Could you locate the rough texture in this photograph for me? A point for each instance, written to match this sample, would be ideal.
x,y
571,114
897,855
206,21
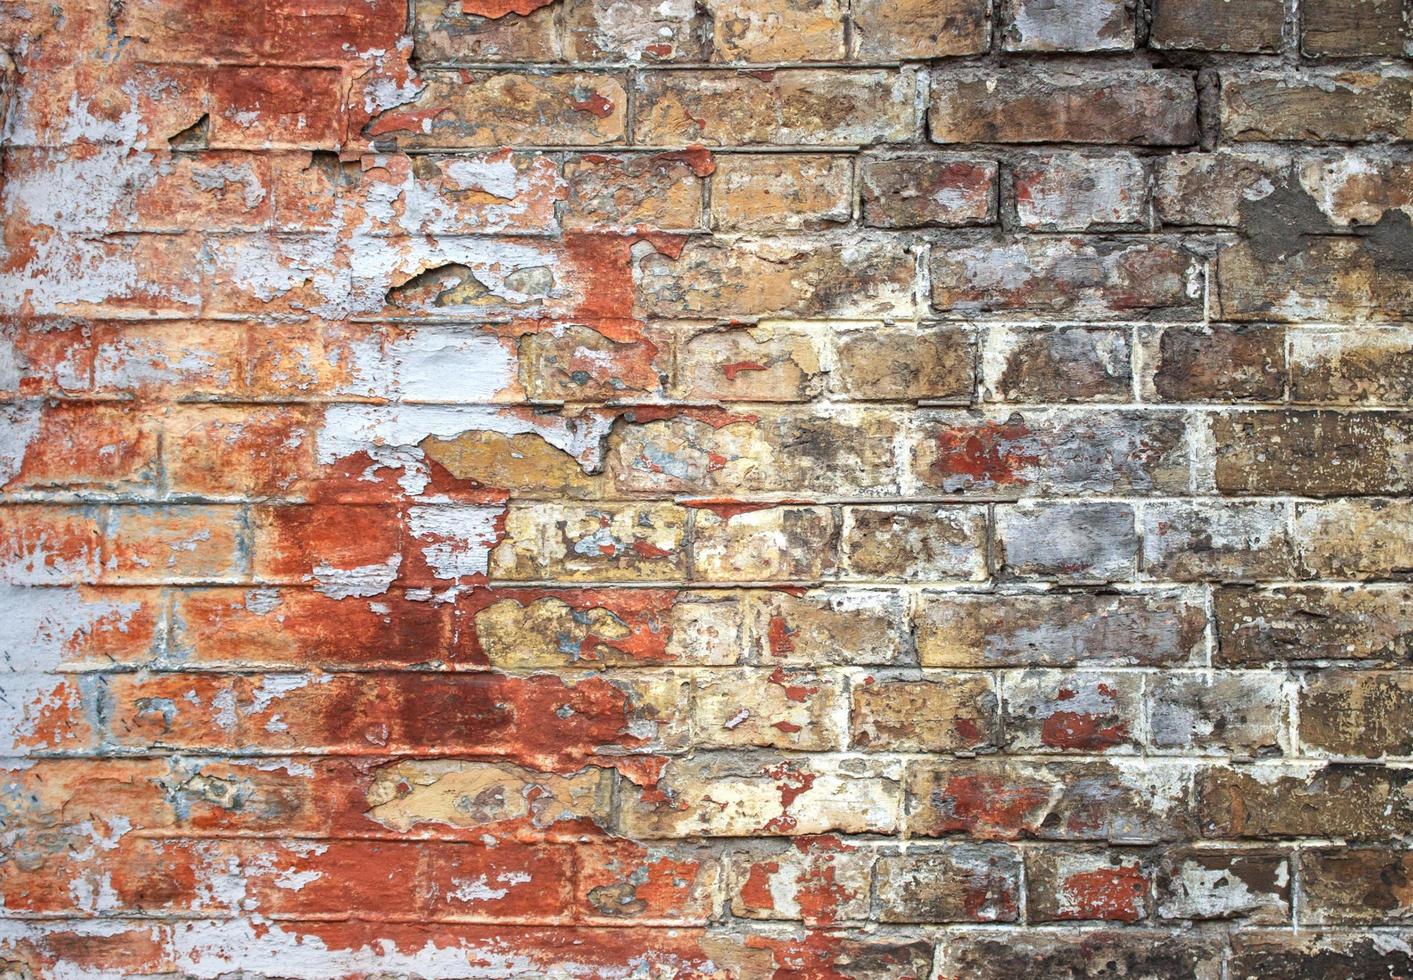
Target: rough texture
x,y
795,489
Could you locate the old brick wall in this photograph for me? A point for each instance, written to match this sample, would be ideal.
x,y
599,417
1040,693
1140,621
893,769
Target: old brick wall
x,y
655,488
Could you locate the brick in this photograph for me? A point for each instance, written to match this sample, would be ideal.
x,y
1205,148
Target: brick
x,y
580,543
1189,541
1066,542
830,626
1042,25
282,108
1240,713
786,107
928,191
932,363
443,31
175,544
814,880
501,190
470,109
1349,106
1355,713
914,543
1267,800
573,362
1284,956
1067,278
1070,884
182,361
1071,711
1213,363
915,29
91,449
1055,451
1079,192
860,277
1351,367
239,453
935,713
955,883
1331,280
1371,624
343,551
771,796
1355,538
1216,25
501,881
81,628
758,30
1225,884
1058,629
661,190
1134,802
997,954
779,192
628,30
774,544
776,709
1059,364
1347,885
1312,453
625,882
1210,188
773,361
1147,108
1338,28
849,450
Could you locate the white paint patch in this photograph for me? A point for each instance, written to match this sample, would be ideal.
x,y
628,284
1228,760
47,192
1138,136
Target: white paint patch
x,y
361,581
19,427
450,364
457,540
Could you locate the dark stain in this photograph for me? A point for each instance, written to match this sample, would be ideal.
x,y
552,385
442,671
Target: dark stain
x,y
1283,223
1390,243
197,136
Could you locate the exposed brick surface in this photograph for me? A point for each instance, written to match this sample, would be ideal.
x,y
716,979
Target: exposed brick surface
x,y
732,489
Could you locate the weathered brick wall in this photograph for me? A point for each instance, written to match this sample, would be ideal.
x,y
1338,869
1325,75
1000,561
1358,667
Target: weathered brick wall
x,y
796,488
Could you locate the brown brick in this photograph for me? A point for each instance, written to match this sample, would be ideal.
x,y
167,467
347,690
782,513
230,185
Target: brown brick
x,y
1228,540
1148,108
752,795
1208,883
1365,366
484,109
1135,801
787,107
1358,714
1080,192
576,362
774,544
1210,188
1315,454
1067,278
1356,186
1332,279
924,191
579,543
761,30
783,710
952,883
444,32
814,881
1344,28
889,29
781,192
1068,884
1055,451
1058,629
1213,363
631,30
773,361
1090,25
1355,538
1054,364
1372,624
1066,541
914,542
175,544
936,713
1269,800
1217,25
1241,713
1348,106
858,276
660,190
1071,711
1000,954
894,362
830,626
1355,886
1285,955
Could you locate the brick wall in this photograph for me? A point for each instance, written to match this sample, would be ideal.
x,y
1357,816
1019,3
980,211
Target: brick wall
x,y
655,488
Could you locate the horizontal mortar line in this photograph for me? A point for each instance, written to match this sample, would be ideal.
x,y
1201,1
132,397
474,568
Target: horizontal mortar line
x,y
882,671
